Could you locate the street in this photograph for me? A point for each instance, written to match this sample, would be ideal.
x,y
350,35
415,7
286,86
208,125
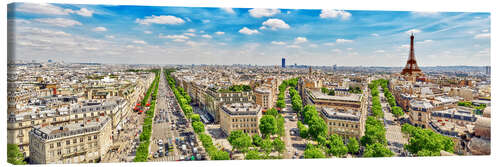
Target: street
x,y
394,136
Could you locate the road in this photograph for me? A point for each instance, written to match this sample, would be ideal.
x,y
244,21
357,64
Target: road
x,y
170,123
293,142
394,136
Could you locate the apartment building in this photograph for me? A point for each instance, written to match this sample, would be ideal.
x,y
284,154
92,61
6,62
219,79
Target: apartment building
x,y
72,143
240,116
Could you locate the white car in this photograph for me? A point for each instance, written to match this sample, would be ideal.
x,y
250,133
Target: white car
x,y
160,142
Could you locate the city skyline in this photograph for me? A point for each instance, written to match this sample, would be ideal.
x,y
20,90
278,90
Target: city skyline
x,y
186,35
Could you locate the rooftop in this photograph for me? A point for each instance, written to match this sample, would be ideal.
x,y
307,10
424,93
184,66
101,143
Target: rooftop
x,y
242,108
317,94
53,132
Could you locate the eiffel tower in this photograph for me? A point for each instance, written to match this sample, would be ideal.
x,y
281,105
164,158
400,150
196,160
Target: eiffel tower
x,y
411,67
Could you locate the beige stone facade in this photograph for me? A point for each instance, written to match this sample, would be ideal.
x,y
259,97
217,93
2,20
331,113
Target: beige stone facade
x,y
240,116
72,143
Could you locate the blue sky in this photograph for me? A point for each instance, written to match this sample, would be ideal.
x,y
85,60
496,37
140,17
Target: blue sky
x,y
182,35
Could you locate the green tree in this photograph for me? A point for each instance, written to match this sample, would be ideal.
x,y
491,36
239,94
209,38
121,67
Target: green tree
x,y
317,127
280,125
279,145
242,143
281,104
198,127
272,112
397,111
257,140
220,155
267,146
426,142
195,117
253,154
313,152
377,150
336,146
267,125
234,135
14,156
303,130
353,146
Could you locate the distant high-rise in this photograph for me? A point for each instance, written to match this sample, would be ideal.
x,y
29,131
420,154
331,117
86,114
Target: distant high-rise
x,y
50,60
488,70
335,67
283,62
411,67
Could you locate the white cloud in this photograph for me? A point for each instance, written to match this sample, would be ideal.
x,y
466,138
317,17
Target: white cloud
x,y
332,13
278,43
173,36
485,30
299,40
293,46
336,50
160,20
49,9
248,31
313,45
405,46
276,24
375,35
219,33
205,21
425,13
207,36
415,31
329,44
147,32
179,40
259,12
425,41
482,36
84,12
189,34
380,51
228,10
344,41
100,29
41,9
191,30
139,42
110,36
18,21
262,27
61,22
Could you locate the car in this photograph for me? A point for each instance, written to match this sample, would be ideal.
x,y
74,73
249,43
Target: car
x,y
160,148
160,142
155,155
161,154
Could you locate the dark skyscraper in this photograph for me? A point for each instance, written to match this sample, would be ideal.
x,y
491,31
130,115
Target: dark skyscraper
x,y
283,62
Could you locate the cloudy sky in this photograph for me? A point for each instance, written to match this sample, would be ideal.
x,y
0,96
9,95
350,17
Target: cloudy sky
x,y
180,35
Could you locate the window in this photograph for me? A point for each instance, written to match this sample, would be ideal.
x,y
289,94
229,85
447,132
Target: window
x,y
58,152
81,139
59,145
74,141
67,142
89,138
52,145
54,119
32,122
20,124
95,136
